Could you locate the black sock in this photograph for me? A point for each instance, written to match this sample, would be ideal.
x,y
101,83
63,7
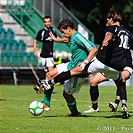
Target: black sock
x,y
43,75
117,101
72,107
123,93
62,76
38,83
95,106
94,93
121,89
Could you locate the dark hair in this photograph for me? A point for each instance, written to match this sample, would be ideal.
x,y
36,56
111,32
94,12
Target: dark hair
x,y
47,17
65,24
115,15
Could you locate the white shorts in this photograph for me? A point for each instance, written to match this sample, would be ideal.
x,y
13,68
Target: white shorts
x,y
62,67
97,66
73,85
47,62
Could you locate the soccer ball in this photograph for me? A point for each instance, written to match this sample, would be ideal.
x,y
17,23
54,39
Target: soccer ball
x,y
36,108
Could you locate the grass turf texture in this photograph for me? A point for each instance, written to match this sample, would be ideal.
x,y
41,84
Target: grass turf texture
x,y
16,118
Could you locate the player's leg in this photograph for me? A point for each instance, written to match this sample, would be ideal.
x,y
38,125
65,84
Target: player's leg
x,y
77,70
63,76
121,94
48,73
47,94
94,92
51,74
126,74
47,99
46,82
66,75
72,86
71,103
37,86
48,65
114,105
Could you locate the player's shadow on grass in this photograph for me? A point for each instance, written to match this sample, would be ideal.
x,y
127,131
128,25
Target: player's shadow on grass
x,y
2,99
63,115
97,114
117,114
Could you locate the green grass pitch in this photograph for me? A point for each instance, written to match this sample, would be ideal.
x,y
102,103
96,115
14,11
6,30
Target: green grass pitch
x,y
16,118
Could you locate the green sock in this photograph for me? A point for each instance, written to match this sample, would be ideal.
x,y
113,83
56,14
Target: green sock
x,y
47,96
72,107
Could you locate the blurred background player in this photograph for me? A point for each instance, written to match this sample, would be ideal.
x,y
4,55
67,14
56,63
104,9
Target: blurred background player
x,y
47,44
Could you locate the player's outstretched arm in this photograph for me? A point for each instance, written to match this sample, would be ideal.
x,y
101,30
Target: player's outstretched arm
x,y
58,39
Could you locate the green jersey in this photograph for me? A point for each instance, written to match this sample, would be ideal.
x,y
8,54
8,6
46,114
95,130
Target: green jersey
x,y
80,48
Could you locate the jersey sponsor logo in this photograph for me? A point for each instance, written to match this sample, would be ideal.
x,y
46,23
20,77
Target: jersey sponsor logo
x,y
49,39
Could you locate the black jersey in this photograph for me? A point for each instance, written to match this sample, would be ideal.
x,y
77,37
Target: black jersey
x,y
44,37
131,42
117,53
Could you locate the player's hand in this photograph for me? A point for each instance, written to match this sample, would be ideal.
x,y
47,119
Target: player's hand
x,y
35,54
104,44
52,36
83,64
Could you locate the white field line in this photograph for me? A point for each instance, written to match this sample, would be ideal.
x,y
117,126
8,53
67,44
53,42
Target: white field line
x,y
79,101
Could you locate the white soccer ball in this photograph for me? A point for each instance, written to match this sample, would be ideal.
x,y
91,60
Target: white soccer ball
x,y
36,108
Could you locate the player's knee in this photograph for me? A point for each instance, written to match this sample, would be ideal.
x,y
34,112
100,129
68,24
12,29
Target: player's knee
x,y
48,76
119,83
124,78
93,82
68,97
65,95
125,75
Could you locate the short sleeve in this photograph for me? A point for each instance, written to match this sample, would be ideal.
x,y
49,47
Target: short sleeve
x,y
38,37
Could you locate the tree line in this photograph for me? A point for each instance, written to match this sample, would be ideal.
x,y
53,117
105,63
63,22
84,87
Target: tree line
x,y
92,13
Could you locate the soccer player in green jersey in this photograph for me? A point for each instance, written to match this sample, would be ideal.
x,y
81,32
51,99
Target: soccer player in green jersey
x,y
82,50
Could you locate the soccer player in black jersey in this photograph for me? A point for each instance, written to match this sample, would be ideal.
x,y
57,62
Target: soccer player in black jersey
x,y
46,54
43,36
113,57
115,104
114,52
